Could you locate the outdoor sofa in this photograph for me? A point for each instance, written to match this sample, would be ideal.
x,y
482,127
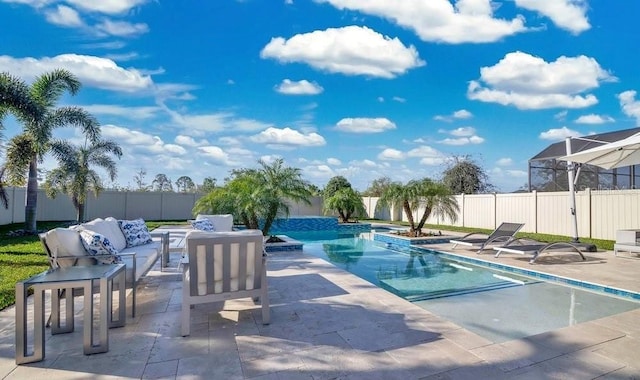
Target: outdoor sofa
x,y
107,241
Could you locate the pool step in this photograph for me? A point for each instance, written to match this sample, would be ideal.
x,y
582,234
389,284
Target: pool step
x,y
461,291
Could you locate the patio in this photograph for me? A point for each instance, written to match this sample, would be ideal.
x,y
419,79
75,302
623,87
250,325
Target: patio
x,y
327,324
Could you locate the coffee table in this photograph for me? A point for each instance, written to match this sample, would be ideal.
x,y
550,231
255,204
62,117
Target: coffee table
x,y
68,279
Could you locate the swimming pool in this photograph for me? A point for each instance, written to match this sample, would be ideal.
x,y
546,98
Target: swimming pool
x,y
497,305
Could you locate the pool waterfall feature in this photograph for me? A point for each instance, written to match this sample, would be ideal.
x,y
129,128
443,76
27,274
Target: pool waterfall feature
x,y
282,226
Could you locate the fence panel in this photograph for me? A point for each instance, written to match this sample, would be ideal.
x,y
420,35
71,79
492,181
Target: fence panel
x,y
517,208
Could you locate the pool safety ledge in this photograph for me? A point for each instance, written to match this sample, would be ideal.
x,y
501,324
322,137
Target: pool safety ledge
x,y
539,275
403,244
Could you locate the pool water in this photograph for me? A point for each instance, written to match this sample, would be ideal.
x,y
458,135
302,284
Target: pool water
x,y
496,305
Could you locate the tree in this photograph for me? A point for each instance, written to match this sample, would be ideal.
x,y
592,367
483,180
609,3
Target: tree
x,y
138,178
74,176
34,107
335,183
257,196
377,187
208,184
347,202
465,176
434,197
162,183
185,184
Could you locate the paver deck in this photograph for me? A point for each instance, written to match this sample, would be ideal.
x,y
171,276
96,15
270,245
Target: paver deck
x,y
330,324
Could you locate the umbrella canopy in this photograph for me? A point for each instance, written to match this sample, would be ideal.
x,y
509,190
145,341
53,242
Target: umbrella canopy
x,y
625,152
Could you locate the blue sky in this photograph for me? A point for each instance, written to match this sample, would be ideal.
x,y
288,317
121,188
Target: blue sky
x,y
358,88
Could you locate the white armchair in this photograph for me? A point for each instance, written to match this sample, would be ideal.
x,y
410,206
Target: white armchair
x,y
219,266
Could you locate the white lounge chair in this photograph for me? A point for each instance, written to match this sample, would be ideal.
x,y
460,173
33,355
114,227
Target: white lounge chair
x,y
503,234
220,266
535,248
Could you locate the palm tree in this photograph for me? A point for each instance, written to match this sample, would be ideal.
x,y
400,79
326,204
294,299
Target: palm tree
x,y
39,117
257,196
347,202
74,176
433,196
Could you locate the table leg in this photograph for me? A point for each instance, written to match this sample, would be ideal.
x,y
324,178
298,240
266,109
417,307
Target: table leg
x,y
21,333
122,302
56,327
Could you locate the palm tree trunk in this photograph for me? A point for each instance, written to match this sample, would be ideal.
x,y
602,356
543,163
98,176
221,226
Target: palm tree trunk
x,y
423,219
31,201
412,223
80,215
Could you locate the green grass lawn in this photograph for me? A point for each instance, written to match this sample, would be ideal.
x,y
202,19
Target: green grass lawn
x,y
22,257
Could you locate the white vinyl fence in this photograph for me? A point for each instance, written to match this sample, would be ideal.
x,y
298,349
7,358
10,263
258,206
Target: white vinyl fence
x,y
600,213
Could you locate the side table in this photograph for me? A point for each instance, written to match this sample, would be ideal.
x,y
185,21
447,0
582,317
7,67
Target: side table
x,y
66,279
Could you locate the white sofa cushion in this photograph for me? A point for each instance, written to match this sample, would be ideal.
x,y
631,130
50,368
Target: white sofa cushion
x,y
135,232
64,242
221,222
108,228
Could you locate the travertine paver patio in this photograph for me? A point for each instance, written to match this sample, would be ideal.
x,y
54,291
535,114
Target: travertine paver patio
x,y
329,324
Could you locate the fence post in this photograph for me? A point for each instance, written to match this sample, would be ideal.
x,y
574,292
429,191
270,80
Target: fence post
x,y
534,194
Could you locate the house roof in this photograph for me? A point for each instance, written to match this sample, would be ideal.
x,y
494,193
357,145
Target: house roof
x,y
559,149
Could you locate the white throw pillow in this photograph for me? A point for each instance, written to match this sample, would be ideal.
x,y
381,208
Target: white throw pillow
x,y
100,247
64,242
135,232
109,228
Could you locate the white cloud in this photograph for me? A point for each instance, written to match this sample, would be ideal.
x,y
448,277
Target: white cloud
x,y
462,136
92,71
107,6
351,50
439,20
630,106
64,16
558,134
566,14
334,161
287,138
365,125
134,113
459,114
504,162
215,153
302,87
529,82
561,115
594,119
215,122
399,99
140,141
120,28
463,140
463,132
189,141
428,155
391,154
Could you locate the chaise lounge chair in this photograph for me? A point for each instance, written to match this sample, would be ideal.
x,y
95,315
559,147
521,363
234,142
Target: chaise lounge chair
x,y
503,234
535,248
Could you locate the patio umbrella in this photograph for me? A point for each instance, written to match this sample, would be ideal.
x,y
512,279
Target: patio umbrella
x,y
625,152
